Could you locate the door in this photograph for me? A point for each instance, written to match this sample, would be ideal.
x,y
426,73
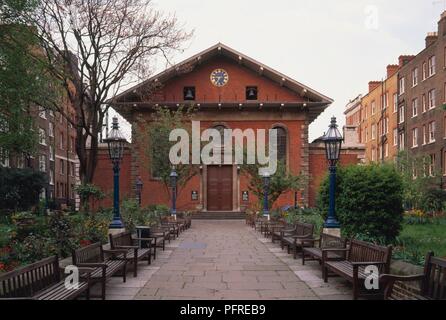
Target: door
x,y
219,188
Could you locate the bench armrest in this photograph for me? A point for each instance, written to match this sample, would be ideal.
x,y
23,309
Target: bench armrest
x,y
305,236
117,251
126,247
388,281
311,241
392,278
92,265
149,238
361,264
327,250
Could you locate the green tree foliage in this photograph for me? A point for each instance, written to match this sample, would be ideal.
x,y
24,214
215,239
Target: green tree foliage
x,y
281,182
88,192
23,82
368,201
417,182
157,138
20,188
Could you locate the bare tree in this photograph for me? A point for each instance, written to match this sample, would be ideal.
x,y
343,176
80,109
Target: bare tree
x,y
96,48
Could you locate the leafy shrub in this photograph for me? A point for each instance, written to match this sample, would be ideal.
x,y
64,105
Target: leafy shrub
x,y
305,215
60,229
92,227
34,247
433,200
415,217
368,201
20,188
88,192
133,215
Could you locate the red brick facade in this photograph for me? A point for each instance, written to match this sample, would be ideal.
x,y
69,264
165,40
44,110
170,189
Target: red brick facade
x,y
281,102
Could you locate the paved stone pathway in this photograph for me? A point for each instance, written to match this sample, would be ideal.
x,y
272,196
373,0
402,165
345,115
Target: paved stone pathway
x,y
226,260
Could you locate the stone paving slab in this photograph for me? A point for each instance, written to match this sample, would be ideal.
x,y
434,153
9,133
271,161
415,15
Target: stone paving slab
x,y
217,260
229,260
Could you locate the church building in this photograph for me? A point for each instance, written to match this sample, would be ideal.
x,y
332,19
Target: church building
x,y
229,90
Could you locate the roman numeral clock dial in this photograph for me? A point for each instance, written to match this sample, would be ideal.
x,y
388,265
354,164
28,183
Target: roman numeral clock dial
x,y
219,77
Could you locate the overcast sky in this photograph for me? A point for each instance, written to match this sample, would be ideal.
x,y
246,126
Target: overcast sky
x,y
333,46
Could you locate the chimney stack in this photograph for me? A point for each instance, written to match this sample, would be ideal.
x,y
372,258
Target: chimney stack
x,y
373,85
431,38
442,24
404,59
392,69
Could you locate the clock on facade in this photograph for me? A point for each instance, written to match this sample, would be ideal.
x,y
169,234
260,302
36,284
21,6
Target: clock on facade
x,y
219,77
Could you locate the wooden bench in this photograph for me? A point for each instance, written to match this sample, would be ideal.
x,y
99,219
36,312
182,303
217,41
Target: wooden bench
x,y
291,238
159,235
272,226
360,254
124,240
174,230
433,282
93,256
276,230
324,242
42,281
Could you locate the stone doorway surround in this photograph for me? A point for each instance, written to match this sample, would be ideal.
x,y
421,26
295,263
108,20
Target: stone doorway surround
x,y
235,188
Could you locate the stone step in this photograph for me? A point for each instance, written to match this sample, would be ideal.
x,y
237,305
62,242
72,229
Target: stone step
x,y
219,215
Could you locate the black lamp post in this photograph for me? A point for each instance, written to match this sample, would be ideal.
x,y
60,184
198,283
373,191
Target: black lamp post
x,y
295,200
173,185
266,181
116,143
139,185
333,141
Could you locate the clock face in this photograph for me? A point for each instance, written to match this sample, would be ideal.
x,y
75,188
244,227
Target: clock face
x,y
219,77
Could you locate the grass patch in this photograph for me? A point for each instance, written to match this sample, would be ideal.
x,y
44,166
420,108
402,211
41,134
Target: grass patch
x,y
415,240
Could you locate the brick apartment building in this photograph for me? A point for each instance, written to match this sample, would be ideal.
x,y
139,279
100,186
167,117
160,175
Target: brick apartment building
x,y
250,96
55,156
375,117
406,110
422,94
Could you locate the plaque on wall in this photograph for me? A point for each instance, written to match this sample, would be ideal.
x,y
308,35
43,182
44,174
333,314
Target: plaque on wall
x,y
194,195
245,196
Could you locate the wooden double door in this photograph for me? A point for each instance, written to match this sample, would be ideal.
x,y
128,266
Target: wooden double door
x,y
219,188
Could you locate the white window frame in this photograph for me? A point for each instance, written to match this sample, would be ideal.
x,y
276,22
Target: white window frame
x,y
402,85
373,131
431,131
51,174
432,160
432,64
414,137
395,137
51,129
414,107
424,103
401,114
373,107
42,112
42,136
42,163
432,98
61,142
51,152
4,158
401,141
395,103
415,77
